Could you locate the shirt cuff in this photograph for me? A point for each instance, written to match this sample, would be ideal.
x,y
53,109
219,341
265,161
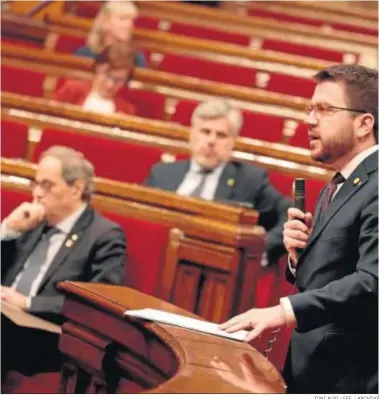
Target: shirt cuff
x,y
289,314
7,234
292,269
264,259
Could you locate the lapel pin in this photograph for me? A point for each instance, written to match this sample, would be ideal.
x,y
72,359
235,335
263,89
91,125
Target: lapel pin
x,y
230,182
74,237
356,181
69,243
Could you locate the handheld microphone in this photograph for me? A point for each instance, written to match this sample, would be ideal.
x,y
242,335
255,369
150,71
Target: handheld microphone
x,y
299,199
299,194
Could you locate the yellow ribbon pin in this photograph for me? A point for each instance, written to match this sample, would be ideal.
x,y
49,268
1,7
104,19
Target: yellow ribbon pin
x,y
230,182
356,181
74,237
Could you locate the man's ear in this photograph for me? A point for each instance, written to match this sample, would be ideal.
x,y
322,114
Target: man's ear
x,y
364,125
78,187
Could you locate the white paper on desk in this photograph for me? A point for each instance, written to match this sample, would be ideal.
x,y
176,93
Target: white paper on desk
x,y
185,322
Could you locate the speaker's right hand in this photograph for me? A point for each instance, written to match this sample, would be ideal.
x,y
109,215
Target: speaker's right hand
x,y
296,232
25,217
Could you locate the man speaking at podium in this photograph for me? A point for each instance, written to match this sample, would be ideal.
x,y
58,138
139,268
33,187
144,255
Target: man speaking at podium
x,y
334,253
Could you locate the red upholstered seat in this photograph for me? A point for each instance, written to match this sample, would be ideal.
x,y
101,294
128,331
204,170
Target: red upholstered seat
x,y
147,243
262,126
145,22
148,104
183,112
303,49
355,29
204,32
293,85
113,159
284,17
14,139
69,44
300,138
22,81
283,183
210,70
11,199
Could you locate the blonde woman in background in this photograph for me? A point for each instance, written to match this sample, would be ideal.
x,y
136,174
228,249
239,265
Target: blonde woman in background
x,y
113,24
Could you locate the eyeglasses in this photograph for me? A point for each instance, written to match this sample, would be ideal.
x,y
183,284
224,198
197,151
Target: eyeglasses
x,y
45,185
113,79
323,109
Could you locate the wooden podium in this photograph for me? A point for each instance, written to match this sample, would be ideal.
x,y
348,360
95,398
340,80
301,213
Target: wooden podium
x,y
107,352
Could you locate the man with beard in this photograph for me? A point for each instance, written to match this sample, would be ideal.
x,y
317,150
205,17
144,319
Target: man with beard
x,y
333,254
212,175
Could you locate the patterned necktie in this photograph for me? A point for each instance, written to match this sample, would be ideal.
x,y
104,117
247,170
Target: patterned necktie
x,y
197,191
331,189
36,259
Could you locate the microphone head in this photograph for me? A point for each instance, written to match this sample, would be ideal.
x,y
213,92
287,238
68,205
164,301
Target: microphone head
x,y
299,187
299,194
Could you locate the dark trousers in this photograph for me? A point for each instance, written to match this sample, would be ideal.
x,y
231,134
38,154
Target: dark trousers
x,y
28,350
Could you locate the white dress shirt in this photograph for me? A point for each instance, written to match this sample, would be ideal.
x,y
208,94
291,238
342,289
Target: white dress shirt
x,y
95,103
55,243
193,177
346,171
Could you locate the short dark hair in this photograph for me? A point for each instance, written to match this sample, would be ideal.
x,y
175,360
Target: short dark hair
x,y
117,56
361,87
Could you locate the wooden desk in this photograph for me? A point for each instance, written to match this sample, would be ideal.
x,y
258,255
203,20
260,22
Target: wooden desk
x,y
211,267
107,352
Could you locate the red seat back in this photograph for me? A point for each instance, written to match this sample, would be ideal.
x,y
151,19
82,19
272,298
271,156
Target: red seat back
x,y
113,159
303,49
148,104
210,70
204,32
262,126
284,183
14,139
69,44
147,244
145,22
22,81
11,199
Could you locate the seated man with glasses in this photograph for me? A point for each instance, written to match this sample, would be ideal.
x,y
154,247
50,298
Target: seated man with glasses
x,y
113,68
56,237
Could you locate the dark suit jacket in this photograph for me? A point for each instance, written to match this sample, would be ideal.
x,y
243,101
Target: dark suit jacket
x,y
75,92
251,185
98,255
334,348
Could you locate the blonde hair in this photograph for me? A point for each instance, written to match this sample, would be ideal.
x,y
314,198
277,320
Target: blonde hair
x,y
95,34
217,109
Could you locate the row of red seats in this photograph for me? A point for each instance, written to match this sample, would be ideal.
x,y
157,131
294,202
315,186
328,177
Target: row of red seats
x,y
152,105
285,17
212,70
116,159
82,10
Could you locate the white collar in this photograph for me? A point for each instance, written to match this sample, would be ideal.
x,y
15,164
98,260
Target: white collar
x,y
348,169
68,223
196,168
